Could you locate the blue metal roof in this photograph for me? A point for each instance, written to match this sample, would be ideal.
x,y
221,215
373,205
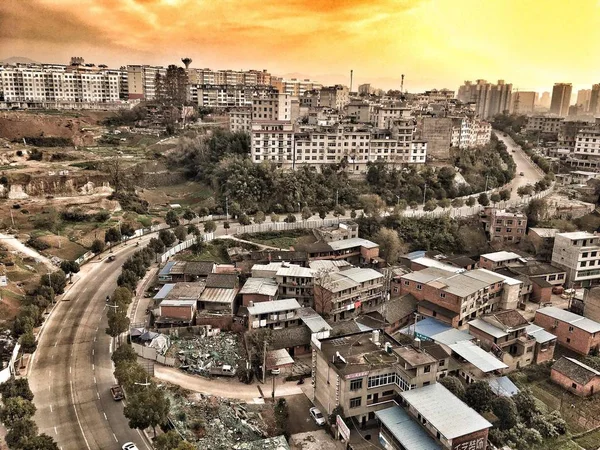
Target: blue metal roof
x,y
167,269
164,291
408,432
416,254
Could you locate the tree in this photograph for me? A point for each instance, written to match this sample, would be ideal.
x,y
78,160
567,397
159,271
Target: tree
x,y
130,373
185,445
504,194
339,211
188,214
56,280
198,246
323,213
430,205
458,202
167,441
306,213
259,217
454,385
118,322
390,244
41,442
16,388
471,201
274,217
243,219
353,214
97,246
147,408
171,218
372,204
523,191
495,197
193,229
483,199
21,432
444,203
226,226
28,342
156,245
536,211
210,226
290,218
526,405
180,233
112,236
506,412
167,237
15,409
127,229
128,279
479,396
69,266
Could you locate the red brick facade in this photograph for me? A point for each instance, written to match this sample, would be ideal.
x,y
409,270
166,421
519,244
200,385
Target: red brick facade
x,y
476,440
567,383
569,336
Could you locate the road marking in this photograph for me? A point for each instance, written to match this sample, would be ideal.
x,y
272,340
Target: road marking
x,y
105,416
115,436
50,408
110,346
77,417
55,343
50,373
98,395
93,367
95,382
92,352
60,331
70,368
94,338
56,431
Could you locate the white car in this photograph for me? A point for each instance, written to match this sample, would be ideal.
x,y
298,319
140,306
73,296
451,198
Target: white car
x,y
317,416
129,446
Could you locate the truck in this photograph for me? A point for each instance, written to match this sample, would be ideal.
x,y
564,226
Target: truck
x,y
224,370
117,393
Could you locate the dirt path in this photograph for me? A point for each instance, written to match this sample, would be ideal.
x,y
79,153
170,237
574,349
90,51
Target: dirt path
x,y
226,389
14,244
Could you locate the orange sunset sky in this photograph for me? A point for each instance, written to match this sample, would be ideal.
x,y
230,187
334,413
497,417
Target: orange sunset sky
x,y
436,43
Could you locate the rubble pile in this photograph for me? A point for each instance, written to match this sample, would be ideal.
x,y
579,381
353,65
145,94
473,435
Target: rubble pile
x,y
216,423
198,354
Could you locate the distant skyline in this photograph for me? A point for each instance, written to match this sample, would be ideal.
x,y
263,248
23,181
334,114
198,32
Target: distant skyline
x,y
435,43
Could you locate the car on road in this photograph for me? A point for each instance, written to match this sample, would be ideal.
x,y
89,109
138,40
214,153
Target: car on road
x,y
110,258
117,392
522,174
129,446
317,416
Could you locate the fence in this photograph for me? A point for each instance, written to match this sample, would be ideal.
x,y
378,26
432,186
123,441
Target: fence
x,y
284,226
184,245
151,353
9,370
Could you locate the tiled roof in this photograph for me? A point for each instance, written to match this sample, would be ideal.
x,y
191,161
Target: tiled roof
x,y
221,280
575,370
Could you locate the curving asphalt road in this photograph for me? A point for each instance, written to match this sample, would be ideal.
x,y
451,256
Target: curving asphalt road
x,y
71,371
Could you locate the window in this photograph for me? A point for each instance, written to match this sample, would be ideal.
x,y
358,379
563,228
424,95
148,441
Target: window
x,y
355,402
568,340
442,295
419,287
406,283
442,362
427,369
570,329
387,393
355,385
574,385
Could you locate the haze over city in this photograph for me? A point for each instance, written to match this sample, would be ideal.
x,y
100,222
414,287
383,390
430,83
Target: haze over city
x,y
441,43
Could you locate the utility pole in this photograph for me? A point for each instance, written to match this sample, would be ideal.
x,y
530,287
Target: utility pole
x,y
227,208
273,390
264,371
486,182
424,193
336,197
12,219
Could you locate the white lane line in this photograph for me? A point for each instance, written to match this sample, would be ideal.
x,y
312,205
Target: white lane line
x,y
105,416
95,382
115,436
77,417
93,367
94,338
98,395
50,408
70,369
92,352
50,373
144,440
56,431
55,343
60,331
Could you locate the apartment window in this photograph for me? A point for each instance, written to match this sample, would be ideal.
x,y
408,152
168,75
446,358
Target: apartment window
x,y
355,385
509,230
584,254
593,254
427,369
442,295
355,402
583,264
419,287
561,276
406,283
568,340
442,362
387,393
570,329
498,230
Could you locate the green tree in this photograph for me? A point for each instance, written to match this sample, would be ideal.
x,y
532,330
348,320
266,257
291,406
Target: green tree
x,y
226,226
430,205
526,405
188,214
323,213
147,408
495,197
458,202
372,204
506,412
128,279
171,218
118,322
56,280
471,201
536,211
185,445
523,191
339,211
14,387
28,342
454,385
479,396
210,226
127,229
243,219
353,214
259,217
193,229
124,353
274,217
129,373
504,194
180,233
306,213
483,199
167,441
444,203
167,237
21,432
15,409
112,236
69,267
41,442
290,218
156,245
390,244
97,246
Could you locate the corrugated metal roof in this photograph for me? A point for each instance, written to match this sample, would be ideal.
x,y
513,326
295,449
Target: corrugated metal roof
x,y
444,411
339,283
218,295
409,433
328,264
484,361
437,331
274,306
493,277
295,271
260,286
361,275
487,328
351,243
502,386
501,256
539,334
430,262
178,303
164,291
576,320
166,270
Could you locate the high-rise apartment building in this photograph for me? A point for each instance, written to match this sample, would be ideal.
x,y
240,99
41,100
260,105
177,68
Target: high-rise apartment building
x,y
335,97
583,98
561,99
490,99
544,100
523,102
594,107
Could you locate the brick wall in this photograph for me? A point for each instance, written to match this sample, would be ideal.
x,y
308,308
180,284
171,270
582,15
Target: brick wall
x,y
255,298
577,340
476,440
177,312
582,390
543,356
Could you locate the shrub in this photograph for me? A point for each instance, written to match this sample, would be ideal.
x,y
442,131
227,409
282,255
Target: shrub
x,y
38,244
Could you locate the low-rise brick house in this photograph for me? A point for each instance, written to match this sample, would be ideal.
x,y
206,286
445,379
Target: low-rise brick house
x,y
180,271
456,298
545,343
356,251
575,376
495,260
542,240
573,331
275,314
504,226
179,305
504,334
257,290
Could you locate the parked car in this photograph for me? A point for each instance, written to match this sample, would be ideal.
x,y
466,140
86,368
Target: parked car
x,y
129,446
522,174
224,370
117,392
110,258
317,416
